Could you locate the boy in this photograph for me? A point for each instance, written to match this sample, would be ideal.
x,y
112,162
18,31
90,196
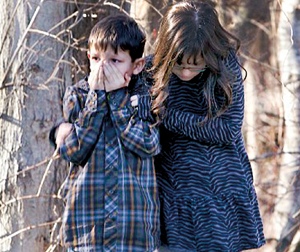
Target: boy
x,y
112,198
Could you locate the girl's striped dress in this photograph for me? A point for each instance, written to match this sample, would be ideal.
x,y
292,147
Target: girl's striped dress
x,y
208,200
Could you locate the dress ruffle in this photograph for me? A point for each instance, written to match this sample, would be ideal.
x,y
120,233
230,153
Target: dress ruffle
x,y
226,222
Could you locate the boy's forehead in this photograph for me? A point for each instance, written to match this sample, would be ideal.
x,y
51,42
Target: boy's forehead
x,y
109,49
98,48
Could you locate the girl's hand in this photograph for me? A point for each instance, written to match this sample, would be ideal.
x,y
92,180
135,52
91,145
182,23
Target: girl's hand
x,y
114,78
96,77
62,132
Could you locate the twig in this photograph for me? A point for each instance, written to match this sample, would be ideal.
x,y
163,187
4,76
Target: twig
x,y
20,43
261,26
56,38
52,247
9,25
77,65
258,62
31,168
55,154
55,70
61,187
5,204
288,233
274,154
45,224
115,6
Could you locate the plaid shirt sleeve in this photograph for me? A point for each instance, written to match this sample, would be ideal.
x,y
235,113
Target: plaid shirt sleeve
x,y
135,132
85,110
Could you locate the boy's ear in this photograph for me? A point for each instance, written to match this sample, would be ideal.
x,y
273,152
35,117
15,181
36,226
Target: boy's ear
x,y
138,65
88,54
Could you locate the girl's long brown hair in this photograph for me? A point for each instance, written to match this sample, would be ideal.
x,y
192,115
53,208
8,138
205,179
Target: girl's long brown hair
x,y
193,29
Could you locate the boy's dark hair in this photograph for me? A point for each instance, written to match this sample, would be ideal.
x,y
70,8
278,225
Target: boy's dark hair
x,y
118,31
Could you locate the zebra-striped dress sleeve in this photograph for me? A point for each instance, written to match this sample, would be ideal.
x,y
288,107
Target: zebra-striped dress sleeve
x,y
220,130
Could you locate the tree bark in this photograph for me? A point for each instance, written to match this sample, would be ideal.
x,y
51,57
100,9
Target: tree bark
x,y
148,14
255,23
289,60
34,71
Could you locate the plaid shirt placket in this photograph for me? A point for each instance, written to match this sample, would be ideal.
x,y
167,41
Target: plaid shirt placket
x,y
130,214
138,203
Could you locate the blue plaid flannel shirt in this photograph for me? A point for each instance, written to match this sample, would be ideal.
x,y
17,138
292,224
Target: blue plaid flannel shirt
x,y
112,200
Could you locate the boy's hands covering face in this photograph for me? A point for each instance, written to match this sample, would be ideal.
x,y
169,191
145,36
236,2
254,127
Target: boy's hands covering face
x,y
112,69
107,77
114,79
96,77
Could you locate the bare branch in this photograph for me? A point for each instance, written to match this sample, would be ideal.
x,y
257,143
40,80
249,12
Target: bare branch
x,y
273,154
52,247
9,25
262,27
258,62
20,43
45,224
115,6
45,161
56,38
55,154
21,198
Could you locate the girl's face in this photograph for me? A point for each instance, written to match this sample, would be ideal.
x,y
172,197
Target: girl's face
x,y
189,67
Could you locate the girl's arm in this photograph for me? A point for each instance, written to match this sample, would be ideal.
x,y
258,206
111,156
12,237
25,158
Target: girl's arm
x,y
85,110
133,123
223,129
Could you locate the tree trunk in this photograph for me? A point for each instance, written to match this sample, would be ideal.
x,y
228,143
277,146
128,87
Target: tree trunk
x,y
33,71
288,189
148,14
251,21
255,23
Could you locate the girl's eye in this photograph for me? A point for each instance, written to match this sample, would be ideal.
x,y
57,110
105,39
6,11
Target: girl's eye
x,y
95,58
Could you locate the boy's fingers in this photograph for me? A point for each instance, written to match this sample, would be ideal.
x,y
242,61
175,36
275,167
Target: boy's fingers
x,y
100,74
63,131
113,72
114,79
109,73
94,77
100,77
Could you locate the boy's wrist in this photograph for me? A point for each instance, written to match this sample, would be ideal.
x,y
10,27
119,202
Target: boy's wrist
x,y
97,88
53,132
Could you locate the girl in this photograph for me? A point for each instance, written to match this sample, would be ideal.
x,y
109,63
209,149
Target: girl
x,y
208,199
